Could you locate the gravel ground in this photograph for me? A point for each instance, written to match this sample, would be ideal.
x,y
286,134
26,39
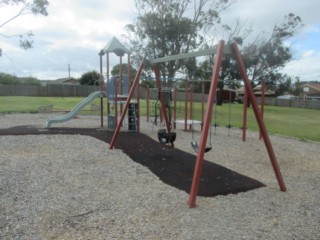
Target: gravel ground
x,y
74,187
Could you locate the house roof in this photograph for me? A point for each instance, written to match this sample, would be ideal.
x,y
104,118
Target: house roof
x,y
61,81
114,46
315,86
256,90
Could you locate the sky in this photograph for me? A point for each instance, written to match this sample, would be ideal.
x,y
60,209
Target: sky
x,y
74,32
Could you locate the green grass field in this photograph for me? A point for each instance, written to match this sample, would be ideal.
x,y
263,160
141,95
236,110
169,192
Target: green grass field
x,y
301,123
31,104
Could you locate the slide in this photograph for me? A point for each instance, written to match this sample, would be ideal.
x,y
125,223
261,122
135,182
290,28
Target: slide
x,y
74,112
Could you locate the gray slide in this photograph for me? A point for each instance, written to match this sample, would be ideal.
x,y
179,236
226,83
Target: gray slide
x,y
74,112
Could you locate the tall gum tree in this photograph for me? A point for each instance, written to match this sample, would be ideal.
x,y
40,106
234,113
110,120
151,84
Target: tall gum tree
x,y
266,54
169,27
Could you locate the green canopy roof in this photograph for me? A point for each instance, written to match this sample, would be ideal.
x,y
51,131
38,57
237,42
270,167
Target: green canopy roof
x,y
115,46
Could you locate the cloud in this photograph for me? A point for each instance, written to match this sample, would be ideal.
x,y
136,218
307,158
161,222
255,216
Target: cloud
x,y
308,53
75,31
306,67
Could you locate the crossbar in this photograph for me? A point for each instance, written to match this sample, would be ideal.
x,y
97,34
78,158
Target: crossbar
x,y
205,52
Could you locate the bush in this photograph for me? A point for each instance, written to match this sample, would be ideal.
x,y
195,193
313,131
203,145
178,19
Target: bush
x,y
8,79
90,78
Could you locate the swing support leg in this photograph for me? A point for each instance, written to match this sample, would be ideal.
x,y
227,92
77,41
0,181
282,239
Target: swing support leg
x,y
212,93
134,85
205,128
258,116
162,102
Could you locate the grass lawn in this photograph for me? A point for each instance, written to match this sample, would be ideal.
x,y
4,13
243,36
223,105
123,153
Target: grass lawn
x,y
293,122
31,104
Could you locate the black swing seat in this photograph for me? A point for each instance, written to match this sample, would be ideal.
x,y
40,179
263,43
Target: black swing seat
x,y
195,147
164,137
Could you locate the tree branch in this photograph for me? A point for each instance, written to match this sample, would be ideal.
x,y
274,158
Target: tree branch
x,y
20,13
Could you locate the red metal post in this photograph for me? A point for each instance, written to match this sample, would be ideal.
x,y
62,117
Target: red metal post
x,y
148,101
101,89
191,105
115,100
206,125
108,81
202,101
129,72
185,104
244,117
263,90
259,119
162,102
134,84
174,106
138,109
120,76
121,82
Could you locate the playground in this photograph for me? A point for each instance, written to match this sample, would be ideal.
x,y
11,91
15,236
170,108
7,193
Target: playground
x,y
69,184
121,176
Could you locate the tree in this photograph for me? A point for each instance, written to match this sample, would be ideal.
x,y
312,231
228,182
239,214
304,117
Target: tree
x,y
148,83
267,55
297,88
90,78
283,85
264,56
116,70
26,7
171,27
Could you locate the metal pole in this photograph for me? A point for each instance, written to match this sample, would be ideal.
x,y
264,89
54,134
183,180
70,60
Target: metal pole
x,y
129,72
259,119
185,104
191,105
206,125
244,117
174,106
108,82
202,102
134,84
162,102
138,107
101,97
161,97
115,100
263,90
229,126
121,82
147,102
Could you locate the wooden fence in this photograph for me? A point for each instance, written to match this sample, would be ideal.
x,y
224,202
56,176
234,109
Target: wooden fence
x,y
59,90
50,90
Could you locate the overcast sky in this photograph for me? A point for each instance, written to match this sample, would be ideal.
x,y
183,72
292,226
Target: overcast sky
x,y
76,30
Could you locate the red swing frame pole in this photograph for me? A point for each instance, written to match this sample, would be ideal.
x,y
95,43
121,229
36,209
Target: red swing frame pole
x,y
258,116
244,117
132,89
207,119
162,104
263,90
101,88
206,125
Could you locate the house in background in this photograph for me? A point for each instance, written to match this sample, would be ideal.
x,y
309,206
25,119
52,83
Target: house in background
x,y
257,92
62,81
310,91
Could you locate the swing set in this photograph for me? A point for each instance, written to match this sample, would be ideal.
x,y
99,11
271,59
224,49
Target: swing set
x,y
201,148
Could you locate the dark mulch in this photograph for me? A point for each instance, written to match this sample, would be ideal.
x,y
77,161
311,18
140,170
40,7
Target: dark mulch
x,y
171,165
